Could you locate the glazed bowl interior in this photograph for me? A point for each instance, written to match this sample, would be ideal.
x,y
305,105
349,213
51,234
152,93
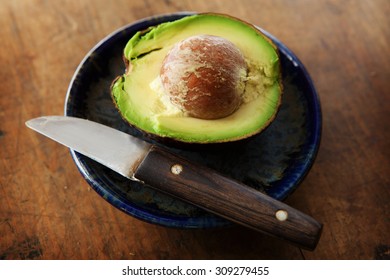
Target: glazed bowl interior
x,y
274,162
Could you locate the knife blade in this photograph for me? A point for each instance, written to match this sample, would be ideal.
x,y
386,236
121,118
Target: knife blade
x,y
178,177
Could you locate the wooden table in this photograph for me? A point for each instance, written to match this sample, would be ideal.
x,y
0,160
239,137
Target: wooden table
x,y
48,211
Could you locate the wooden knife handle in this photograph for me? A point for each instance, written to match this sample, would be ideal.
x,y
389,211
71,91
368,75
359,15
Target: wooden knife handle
x,y
227,198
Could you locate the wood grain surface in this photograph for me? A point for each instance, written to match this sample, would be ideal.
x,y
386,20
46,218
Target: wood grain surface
x,y
48,211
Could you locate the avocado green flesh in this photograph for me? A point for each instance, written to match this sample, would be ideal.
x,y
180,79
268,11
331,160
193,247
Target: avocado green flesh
x,y
142,106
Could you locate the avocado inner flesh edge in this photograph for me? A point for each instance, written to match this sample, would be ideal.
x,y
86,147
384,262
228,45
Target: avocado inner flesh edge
x,y
141,100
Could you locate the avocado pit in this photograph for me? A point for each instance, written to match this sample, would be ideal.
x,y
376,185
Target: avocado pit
x,y
204,76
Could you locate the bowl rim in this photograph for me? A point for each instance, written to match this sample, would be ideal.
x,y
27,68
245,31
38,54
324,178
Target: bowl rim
x,y
206,221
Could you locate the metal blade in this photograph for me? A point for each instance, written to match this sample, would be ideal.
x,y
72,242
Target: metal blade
x,y
117,150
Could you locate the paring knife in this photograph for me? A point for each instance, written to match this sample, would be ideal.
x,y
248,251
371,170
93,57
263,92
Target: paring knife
x,y
171,174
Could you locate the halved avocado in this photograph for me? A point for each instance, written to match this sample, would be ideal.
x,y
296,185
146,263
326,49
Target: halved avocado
x,y
141,101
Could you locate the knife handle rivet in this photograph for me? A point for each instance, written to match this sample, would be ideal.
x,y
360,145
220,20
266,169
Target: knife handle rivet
x,y
281,215
176,169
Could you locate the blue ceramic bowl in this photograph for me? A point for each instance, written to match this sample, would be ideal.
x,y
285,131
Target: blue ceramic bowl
x,y
275,161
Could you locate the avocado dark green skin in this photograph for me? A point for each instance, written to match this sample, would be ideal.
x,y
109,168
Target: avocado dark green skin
x,y
177,143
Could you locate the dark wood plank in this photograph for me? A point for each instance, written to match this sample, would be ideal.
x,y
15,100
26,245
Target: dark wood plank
x,y
47,211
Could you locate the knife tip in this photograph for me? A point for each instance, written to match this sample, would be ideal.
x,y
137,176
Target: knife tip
x,y
36,122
